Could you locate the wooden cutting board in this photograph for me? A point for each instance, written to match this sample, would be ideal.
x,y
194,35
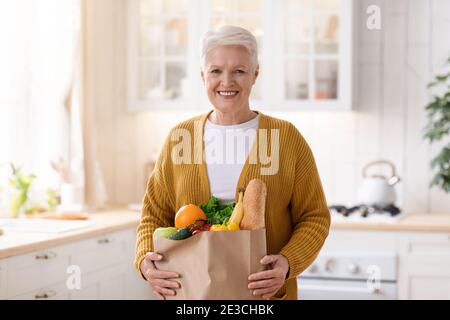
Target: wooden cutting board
x,y
60,216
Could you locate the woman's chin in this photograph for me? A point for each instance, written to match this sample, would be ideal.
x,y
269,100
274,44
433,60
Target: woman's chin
x,y
228,106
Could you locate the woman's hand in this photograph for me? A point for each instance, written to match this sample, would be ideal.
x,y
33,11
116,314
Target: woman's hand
x,y
160,281
266,283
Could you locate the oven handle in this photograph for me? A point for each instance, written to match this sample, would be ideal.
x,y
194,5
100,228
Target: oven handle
x,y
340,289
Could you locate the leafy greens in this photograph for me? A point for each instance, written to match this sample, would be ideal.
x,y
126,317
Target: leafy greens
x,y
217,213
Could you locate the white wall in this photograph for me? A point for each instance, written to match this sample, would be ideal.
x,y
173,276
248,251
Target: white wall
x,y
393,66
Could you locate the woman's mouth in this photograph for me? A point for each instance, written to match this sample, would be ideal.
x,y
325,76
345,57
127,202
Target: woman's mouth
x,y
228,94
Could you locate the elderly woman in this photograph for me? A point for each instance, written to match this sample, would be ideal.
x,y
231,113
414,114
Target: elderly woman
x,y
297,217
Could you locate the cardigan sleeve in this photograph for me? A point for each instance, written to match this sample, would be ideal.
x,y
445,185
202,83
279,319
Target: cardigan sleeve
x,y
158,205
309,213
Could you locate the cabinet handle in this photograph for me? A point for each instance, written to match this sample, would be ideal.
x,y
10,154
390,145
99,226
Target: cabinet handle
x,y
376,291
103,241
45,256
45,295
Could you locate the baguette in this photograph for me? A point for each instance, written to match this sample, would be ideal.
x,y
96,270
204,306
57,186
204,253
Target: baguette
x,y
254,205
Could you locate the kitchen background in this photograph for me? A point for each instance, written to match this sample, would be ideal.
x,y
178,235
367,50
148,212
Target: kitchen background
x,y
392,67
78,81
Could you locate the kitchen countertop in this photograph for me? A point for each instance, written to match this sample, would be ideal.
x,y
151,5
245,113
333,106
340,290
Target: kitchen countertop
x,y
106,221
410,223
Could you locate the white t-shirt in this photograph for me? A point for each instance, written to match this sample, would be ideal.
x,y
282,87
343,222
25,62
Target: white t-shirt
x,y
226,150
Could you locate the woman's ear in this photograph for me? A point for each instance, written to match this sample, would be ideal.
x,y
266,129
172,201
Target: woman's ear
x,y
256,73
202,75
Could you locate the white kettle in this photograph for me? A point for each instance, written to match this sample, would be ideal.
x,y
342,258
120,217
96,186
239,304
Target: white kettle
x,y
377,189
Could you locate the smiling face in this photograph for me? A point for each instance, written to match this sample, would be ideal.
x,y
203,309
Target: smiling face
x,y
228,76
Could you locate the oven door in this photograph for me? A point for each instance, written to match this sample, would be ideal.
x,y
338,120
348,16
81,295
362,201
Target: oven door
x,y
332,289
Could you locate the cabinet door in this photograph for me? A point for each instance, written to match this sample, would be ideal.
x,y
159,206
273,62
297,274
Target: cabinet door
x,y
314,54
55,292
113,284
105,264
424,266
102,252
107,270
136,288
37,270
105,284
160,54
425,278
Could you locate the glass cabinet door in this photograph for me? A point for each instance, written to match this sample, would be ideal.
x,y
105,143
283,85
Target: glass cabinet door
x,y
312,50
162,54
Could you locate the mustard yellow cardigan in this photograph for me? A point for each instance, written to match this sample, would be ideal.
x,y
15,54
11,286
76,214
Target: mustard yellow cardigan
x,y
297,217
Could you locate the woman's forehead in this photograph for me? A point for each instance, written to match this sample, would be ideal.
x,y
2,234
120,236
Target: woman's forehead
x,y
229,56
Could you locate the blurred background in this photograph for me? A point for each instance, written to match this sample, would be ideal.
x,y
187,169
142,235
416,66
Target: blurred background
x,y
90,89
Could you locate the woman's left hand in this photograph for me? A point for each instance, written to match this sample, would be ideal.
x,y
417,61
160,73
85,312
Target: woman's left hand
x,y
266,283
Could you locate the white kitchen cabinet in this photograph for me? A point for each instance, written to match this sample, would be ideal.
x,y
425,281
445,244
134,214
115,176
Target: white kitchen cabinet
x,y
424,266
101,252
108,283
305,51
36,270
104,264
54,292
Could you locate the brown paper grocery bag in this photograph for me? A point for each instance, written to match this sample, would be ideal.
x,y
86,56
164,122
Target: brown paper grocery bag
x,y
213,265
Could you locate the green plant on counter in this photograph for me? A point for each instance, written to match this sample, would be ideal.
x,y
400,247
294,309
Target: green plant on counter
x,y
52,199
438,128
21,183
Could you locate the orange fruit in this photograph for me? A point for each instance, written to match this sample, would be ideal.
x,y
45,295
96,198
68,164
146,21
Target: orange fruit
x,y
187,215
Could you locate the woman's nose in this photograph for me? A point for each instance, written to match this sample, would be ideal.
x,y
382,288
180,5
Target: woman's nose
x,y
227,80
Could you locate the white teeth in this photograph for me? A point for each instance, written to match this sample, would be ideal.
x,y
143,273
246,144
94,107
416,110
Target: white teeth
x,y
227,93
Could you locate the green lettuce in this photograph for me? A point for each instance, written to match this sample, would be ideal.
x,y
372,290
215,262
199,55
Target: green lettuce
x,y
217,213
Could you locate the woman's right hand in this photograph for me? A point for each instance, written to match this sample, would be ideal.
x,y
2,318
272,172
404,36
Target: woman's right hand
x,y
161,282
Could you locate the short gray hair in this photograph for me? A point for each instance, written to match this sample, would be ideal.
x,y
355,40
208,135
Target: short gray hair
x,y
228,36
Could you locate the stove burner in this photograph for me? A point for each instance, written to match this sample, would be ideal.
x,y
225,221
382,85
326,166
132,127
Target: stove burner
x,y
366,210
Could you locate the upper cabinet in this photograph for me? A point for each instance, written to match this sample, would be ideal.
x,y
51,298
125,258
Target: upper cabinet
x,y
158,53
304,50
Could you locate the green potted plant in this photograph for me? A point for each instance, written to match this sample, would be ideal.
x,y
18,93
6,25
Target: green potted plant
x,y
438,128
21,184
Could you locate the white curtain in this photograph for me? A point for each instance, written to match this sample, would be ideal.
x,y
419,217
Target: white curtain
x,y
41,94
85,167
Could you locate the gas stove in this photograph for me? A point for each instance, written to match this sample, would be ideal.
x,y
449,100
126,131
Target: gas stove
x,y
366,213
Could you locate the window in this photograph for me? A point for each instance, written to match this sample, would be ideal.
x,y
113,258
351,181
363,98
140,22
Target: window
x,y
304,51
37,67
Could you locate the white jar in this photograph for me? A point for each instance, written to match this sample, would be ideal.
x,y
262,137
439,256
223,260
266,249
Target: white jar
x,y
72,197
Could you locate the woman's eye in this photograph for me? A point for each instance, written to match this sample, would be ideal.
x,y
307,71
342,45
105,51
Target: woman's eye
x,y
215,71
240,71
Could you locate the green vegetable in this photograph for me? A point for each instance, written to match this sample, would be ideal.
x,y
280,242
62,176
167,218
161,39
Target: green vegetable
x,y
217,213
181,234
